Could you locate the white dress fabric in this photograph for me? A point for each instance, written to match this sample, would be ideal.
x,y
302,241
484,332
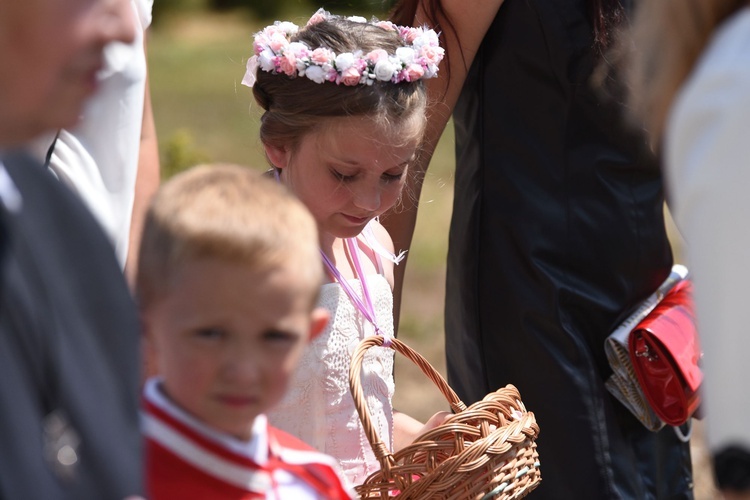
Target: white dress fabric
x,y
707,152
318,407
98,159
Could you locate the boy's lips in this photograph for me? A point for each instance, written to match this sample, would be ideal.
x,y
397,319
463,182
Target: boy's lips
x,y
237,401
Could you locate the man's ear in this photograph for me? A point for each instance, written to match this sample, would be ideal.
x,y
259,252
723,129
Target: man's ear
x,y
319,317
278,156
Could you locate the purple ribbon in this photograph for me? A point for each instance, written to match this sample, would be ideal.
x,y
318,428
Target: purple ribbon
x,y
365,307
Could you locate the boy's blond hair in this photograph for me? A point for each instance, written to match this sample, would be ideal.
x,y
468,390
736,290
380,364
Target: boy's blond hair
x,y
225,212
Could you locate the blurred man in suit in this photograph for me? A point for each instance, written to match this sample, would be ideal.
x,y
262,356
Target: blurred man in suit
x,y
68,331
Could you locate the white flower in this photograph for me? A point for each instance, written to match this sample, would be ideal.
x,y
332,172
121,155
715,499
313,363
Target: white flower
x,y
384,70
299,49
287,27
430,70
266,60
357,19
406,55
426,38
344,61
316,74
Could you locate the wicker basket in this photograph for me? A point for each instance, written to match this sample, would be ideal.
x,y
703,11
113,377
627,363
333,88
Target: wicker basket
x,y
487,450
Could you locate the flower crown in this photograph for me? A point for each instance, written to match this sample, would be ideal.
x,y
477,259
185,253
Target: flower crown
x,y
275,53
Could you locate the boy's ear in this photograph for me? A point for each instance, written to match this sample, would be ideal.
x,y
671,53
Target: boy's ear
x,y
278,156
320,317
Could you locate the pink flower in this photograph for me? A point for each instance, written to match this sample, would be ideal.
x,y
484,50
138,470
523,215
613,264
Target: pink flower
x,y
408,34
277,42
288,64
260,44
321,55
431,55
350,76
316,18
386,25
377,55
413,72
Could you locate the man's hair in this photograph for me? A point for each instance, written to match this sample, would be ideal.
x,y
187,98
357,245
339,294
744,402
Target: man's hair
x,y
225,212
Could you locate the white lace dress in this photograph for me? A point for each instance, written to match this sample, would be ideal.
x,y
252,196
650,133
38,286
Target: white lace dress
x,y
318,407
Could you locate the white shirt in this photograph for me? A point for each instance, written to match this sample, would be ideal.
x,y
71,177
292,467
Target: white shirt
x,y
707,153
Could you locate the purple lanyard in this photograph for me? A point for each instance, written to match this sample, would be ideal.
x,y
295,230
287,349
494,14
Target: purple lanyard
x,y
365,307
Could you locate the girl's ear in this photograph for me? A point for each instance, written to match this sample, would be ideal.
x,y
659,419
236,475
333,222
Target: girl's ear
x,y
278,156
320,317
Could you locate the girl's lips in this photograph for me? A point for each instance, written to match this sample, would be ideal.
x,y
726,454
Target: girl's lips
x,y
356,220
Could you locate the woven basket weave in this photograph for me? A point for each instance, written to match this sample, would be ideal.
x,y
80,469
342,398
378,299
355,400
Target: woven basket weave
x,y
485,451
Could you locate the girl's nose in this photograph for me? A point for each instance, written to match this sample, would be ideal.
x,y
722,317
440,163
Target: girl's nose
x,y
367,198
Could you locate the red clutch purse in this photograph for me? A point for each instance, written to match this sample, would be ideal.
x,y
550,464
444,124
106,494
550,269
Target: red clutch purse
x,y
665,352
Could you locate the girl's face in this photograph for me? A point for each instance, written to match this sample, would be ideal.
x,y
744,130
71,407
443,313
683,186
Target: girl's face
x,y
348,172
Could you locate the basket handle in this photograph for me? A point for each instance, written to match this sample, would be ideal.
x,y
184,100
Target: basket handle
x,y
384,456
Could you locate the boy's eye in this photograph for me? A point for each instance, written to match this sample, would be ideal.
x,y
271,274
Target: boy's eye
x,y
210,333
279,336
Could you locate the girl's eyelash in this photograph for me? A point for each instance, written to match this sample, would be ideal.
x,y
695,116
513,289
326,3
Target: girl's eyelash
x,y
393,177
340,176
386,176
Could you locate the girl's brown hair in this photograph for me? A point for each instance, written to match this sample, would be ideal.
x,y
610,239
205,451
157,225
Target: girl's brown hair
x,y
605,17
296,106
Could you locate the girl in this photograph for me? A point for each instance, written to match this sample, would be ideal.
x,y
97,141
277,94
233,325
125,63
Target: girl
x,y
344,113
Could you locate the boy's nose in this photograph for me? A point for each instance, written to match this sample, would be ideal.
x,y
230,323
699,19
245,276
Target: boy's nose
x,y
241,367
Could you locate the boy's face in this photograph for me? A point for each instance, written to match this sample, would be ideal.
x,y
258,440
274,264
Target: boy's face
x,y
227,338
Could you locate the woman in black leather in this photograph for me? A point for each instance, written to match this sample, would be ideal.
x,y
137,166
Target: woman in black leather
x,y
557,234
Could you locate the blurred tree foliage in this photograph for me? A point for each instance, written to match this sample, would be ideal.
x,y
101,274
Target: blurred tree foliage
x,y
275,9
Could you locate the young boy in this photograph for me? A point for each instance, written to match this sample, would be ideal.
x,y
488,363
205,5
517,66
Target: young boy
x,y
228,278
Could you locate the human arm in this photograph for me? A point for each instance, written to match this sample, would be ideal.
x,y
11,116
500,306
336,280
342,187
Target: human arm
x,y
146,183
706,153
463,24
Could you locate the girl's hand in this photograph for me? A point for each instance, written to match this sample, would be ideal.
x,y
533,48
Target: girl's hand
x,y
406,429
435,420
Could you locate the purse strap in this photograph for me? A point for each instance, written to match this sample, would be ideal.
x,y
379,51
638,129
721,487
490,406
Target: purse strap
x,y
684,436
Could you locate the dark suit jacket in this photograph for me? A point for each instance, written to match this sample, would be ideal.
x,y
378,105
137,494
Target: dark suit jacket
x,y
68,350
